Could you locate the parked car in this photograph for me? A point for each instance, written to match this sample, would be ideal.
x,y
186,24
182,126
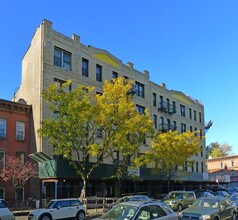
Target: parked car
x,y
204,193
234,198
212,208
5,212
222,194
129,198
59,209
232,190
140,210
178,200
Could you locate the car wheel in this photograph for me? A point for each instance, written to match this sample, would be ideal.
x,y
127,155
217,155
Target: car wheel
x,y
80,215
45,217
180,208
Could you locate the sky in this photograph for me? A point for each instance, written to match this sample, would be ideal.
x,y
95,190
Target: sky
x,y
190,45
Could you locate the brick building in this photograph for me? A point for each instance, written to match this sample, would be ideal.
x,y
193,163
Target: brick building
x,y
15,119
224,169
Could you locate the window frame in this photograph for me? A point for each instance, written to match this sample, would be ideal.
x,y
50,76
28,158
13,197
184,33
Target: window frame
x,y
98,73
182,110
22,135
60,59
3,128
140,89
85,70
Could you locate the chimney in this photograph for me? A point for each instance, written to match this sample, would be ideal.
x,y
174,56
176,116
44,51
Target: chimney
x,y
76,38
131,65
163,85
147,73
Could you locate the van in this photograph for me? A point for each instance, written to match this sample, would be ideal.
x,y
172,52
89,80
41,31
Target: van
x,y
179,200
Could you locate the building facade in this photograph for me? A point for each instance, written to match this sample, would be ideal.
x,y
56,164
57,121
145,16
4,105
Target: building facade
x,y
224,169
15,120
55,58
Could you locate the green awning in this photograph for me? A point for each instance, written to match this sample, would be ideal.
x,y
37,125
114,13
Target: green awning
x,y
39,157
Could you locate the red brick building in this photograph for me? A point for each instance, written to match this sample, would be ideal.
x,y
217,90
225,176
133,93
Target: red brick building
x,y
15,119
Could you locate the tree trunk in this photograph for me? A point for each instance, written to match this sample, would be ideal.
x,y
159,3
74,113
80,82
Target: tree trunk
x,y
83,191
168,182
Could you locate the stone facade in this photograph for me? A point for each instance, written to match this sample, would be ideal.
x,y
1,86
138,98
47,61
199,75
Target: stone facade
x,y
40,68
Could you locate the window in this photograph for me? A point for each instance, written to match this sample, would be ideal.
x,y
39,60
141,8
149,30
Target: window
x,y
185,166
192,167
154,99
168,103
191,128
200,117
62,58
232,163
161,101
202,170
195,115
2,158
175,125
157,212
174,106
197,167
169,123
201,151
200,133
140,89
232,172
21,156
221,165
60,84
183,127
114,75
190,113
2,128
2,193
182,110
161,123
84,67
20,131
155,121
98,73
140,109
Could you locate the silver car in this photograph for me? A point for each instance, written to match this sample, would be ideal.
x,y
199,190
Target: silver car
x,y
141,210
5,213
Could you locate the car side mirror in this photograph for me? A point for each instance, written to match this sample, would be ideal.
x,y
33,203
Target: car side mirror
x,y
58,207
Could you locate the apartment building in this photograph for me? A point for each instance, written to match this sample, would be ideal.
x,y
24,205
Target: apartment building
x,y
55,58
15,119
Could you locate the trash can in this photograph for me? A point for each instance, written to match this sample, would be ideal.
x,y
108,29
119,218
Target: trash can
x,y
37,204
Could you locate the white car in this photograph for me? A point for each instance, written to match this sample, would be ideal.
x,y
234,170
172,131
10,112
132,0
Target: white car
x,y
5,213
60,209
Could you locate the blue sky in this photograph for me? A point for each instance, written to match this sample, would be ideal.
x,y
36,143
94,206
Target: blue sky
x,y
190,45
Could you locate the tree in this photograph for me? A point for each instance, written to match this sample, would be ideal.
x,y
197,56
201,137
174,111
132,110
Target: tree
x,y
88,125
169,151
216,150
17,172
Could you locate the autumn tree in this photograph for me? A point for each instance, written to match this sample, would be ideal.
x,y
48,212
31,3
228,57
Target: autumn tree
x,y
16,172
169,152
88,125
216,150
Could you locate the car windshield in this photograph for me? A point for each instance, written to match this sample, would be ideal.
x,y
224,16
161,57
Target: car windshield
x,y
206,203
174,196
120,211
51,204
